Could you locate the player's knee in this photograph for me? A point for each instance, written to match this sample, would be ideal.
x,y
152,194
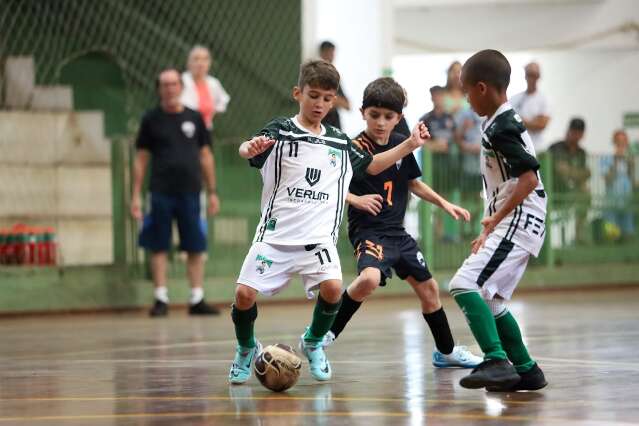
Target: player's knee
x,y
331,291
244,297
430,295
497,306
457,283
367,282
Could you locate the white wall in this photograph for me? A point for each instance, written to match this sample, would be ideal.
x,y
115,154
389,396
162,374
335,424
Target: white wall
x,y
362,32
513,25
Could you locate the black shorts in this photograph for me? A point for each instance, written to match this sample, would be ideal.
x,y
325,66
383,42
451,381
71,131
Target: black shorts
x,y
400,253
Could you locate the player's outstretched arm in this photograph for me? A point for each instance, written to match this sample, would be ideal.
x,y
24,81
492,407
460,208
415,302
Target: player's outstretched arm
x,y
386,159
426,193
526,183
255,146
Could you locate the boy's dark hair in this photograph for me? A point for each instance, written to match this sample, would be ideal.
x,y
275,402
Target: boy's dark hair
x,y
318,73
384,92
436,89
577,123
489,66
325,45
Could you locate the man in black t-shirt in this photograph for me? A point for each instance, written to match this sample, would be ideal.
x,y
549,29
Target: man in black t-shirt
x,y
377,206
176,142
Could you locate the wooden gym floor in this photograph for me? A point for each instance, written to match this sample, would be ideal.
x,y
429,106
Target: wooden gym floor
x,y
128,369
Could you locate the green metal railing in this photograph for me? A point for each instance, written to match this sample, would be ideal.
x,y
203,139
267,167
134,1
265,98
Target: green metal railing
x,y
579,229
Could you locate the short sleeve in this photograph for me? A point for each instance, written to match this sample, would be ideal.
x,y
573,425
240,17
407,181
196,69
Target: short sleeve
x,y
359,159
144,139
510,144
412,167
204,135
271,131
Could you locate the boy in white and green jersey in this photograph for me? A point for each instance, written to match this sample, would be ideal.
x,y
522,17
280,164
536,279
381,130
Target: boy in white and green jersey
x,y
306,168
513,230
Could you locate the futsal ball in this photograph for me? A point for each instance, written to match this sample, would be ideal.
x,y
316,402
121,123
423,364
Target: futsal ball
x,y
278,367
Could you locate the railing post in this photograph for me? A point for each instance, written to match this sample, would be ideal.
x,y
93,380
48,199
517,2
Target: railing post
x,y
118,202
426,210
547,178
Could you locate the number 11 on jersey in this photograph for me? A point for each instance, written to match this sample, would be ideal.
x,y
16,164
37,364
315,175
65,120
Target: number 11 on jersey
x,y
321,258
388,187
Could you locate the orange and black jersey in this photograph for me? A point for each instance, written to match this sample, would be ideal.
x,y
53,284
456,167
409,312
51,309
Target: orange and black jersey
x,y
391,184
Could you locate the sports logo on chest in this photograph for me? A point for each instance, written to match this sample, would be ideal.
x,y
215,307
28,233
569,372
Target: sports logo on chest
x,y
312,175
398,164
188,128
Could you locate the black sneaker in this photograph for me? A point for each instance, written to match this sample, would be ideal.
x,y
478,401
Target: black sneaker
x,y
531,380
159,309
492,372
202,308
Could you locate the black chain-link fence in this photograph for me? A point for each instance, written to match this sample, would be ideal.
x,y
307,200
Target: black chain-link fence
x,y
256,47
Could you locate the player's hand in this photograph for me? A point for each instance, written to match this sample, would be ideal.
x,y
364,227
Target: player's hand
x,y
489,224
419,135
136,207
256,146
213,207
370,203
478,242
456,211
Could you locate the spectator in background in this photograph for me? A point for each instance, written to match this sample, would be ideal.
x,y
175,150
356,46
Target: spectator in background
x,y
619,175
440,123
454,98
441,126
203,92
327,53
402,127
571,174
468,136
569,161
175,139
532,106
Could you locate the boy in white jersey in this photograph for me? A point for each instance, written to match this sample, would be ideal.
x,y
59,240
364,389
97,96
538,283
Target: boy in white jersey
x,y
513,229
306,169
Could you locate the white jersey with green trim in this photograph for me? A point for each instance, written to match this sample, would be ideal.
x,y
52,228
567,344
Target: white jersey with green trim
x,y
507,152
306,178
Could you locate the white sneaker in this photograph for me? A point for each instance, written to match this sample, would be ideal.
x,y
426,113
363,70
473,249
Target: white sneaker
x,y
328,339
459,357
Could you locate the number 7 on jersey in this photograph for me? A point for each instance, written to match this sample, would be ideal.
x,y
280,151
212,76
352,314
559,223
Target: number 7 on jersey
x,y
388,187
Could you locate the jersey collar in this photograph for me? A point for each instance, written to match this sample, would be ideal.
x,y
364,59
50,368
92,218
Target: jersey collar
x,y
503,108
297,124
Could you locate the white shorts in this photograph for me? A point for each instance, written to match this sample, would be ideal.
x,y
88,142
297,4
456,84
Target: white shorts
x,y
269,268
495,269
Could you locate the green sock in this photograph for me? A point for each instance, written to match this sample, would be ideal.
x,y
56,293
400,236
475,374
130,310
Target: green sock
x,y
323,316
481,323
512,342
244,321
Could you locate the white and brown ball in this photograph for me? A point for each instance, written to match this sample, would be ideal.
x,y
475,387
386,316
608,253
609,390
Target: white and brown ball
x,y
278,367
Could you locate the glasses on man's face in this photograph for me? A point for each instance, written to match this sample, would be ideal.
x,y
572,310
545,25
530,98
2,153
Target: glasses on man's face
x,y
532,75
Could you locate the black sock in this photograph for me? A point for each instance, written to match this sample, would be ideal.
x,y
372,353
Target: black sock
x,y
440,329
346,311
244,322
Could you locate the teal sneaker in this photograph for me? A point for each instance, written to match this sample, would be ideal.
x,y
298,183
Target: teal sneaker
x,y
460,357
241,367
314,351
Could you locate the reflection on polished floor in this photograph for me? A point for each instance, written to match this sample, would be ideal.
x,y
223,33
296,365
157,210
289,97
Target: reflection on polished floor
x,y
133,370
